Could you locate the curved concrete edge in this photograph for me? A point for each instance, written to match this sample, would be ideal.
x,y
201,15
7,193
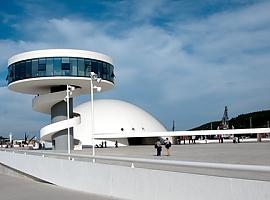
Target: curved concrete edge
x,y
181,133
141,184
59,53
47,131
41,85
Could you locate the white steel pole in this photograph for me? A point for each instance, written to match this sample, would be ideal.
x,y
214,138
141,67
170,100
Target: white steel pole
x,y
68,139
92,116
10,137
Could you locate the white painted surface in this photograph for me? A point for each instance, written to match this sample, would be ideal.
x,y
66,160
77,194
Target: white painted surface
x,y
135,183
42,85
185,133
59,53
47,131
43,102
112,115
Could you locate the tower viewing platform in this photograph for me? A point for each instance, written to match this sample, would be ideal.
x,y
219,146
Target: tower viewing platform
x,y
55,76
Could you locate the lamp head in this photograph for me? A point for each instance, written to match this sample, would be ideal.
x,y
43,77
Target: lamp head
x,y
71,88
93,74
99,80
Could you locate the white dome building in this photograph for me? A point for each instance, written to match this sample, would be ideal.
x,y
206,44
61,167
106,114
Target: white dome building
x,y
56,76
115,116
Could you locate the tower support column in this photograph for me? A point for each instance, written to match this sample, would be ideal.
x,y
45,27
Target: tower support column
x,y
59,113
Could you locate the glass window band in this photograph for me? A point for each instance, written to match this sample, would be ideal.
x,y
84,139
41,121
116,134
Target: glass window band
x,y
59,66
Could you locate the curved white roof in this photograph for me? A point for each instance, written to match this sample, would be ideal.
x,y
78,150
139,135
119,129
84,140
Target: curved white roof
x,y
111,116
59,53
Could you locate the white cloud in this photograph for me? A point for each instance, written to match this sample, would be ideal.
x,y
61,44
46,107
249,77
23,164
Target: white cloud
x,y
17,115
225,55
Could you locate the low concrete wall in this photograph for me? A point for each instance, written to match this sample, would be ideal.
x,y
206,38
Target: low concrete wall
x,y
134,183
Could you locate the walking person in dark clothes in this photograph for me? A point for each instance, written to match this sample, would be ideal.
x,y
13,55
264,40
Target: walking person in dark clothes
x,y
158,147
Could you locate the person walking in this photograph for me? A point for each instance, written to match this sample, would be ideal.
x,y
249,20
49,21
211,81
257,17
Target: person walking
x,y
193,137
168,145
158,147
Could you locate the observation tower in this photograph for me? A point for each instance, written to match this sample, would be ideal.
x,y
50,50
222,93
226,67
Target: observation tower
x,y
55,76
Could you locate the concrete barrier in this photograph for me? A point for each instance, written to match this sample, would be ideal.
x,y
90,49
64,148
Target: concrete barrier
x,y
134,183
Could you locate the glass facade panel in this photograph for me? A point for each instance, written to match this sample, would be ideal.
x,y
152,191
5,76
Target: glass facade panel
x,y
80,67
42,64
104,71
41,67
35,68
13,72
10,74
65,66
100,65
111,73
65,60
95,66
74,66
20,70
28,67
59,66
87,67
17,73
49,67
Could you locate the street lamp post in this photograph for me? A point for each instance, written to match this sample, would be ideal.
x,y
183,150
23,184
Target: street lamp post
x,y
92,116
93,77
69,92
10,137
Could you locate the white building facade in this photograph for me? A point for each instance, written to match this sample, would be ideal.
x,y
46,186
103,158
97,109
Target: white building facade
x,y
48,74
115,117
55,76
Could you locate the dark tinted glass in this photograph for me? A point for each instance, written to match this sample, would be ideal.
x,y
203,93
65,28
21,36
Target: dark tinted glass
x,y
74,66
65,64
35,67
49,67
59,66
81,67
95,66
28,66
41,64
87,67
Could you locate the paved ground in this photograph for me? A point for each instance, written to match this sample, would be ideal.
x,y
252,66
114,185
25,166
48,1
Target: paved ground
x,y
239,153
230,153
14,188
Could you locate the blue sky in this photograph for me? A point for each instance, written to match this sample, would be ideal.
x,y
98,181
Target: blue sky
x,y
179,60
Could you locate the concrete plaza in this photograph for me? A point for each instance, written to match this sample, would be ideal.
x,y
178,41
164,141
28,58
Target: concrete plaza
x,y
231,153
17,188
248,153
